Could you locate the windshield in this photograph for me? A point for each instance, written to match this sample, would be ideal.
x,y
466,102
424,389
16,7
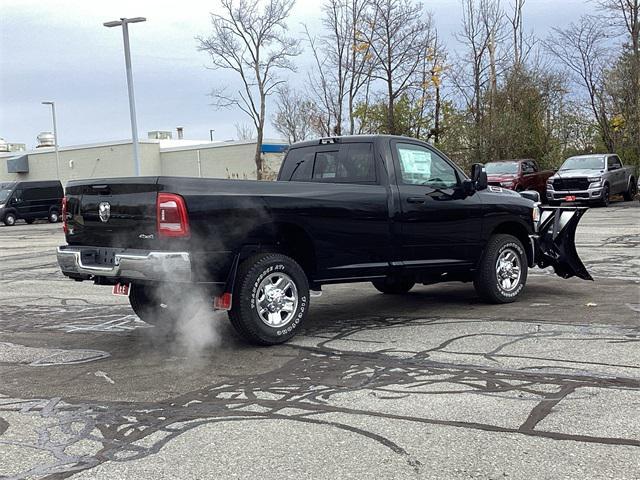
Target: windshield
x,y
494,168
4,194
588,163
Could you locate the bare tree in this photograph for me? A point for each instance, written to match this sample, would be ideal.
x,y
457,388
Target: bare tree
x,y
296,115
343,63
244,131
249,38
480,65
625,16
436,69
324,88
360,60
400,36
581,49
517,30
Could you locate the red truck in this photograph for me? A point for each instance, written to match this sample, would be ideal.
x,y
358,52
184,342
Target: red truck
x,y
518,175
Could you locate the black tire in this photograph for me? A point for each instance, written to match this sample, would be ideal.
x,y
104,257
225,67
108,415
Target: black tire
x,y
54,216
606,196
9,219
393,285
253,278
163,305
29,220
486,282
631,190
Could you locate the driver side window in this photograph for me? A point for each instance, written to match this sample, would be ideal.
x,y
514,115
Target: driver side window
x,y
421,166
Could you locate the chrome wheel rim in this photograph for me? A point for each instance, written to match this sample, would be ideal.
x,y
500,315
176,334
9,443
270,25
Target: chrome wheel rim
x,y
276,299
508,269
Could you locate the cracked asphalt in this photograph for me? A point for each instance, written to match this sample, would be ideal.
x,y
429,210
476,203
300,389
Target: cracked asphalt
x,y
430,385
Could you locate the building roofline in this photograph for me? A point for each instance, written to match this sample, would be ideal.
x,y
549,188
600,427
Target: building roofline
x,y
200,146
75,147
232,143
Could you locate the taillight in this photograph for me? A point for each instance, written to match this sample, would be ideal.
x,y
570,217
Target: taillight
x,y
65,227
172,216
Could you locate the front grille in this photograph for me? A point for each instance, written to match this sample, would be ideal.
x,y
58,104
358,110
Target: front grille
x,y
563,184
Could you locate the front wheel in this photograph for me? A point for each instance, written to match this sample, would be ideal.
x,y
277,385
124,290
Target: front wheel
x,y
53,216
606,196
9,219
271,299
393,285
502,273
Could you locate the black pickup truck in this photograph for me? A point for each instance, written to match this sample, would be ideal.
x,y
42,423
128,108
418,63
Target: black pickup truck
x,y
392,211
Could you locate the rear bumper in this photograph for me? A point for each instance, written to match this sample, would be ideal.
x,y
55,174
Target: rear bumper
x,y
126,264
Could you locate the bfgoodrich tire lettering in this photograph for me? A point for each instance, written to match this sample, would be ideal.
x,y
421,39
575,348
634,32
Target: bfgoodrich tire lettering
x,y
503,254
249,298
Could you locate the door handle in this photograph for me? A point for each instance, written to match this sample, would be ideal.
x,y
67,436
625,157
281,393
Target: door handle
x,y
415,199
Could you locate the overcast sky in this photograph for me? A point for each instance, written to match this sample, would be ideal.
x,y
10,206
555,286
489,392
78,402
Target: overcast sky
x,y
58,50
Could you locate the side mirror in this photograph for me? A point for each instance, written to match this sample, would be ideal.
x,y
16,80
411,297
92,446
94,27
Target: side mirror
x,y
468,186
531,195
479,176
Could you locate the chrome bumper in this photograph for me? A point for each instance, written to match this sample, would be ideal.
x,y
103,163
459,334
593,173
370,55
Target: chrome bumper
x,y
589,194
128,264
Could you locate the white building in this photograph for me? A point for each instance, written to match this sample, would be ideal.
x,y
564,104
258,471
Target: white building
x,y
234,159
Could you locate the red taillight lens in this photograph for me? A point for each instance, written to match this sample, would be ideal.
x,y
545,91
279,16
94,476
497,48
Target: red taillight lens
x,y
65,227
172,216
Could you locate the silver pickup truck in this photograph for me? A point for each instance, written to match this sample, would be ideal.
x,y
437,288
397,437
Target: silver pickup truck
x,y
591,178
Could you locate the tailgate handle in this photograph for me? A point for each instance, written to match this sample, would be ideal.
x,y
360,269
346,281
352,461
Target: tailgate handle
x,y
415,199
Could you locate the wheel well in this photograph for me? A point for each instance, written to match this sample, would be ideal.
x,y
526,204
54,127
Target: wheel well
x,y
285,238
520,232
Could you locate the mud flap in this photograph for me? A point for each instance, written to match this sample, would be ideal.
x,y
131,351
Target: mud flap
x,y
556,245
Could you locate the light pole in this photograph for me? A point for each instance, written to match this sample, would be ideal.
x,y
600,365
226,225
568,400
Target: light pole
x,y
55,136
124,22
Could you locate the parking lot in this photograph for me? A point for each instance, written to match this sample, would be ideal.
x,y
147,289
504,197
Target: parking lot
x,y
433,384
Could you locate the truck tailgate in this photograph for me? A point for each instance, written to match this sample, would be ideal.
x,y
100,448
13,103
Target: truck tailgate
x,y
113,212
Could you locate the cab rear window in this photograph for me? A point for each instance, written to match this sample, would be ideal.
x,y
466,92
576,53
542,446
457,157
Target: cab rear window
x,y
347,163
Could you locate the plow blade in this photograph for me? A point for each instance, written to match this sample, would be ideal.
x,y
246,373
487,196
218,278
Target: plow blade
x,y
556,245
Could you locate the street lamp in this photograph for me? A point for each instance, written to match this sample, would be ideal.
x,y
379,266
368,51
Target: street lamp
x,y
55,136
124,22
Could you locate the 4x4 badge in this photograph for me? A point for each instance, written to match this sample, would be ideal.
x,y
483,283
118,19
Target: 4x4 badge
x,y
104,211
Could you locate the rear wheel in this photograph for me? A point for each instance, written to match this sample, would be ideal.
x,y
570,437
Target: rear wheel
x,y
9,219
631,191
54,216
502,273
163,305
271,299
393,285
